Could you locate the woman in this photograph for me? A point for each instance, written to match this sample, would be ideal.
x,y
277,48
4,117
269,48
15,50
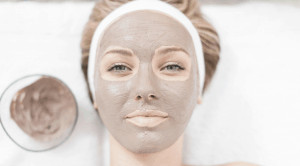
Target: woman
x,y
146,75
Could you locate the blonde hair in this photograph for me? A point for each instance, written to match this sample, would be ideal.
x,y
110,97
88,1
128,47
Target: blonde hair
x,y
208,35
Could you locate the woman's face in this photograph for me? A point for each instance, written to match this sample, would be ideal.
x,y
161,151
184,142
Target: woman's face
x,y
146,80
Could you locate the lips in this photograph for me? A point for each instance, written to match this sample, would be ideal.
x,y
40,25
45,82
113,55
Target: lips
x,y
148,118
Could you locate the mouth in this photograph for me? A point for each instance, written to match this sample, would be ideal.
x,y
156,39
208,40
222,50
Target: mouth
x,y
148,118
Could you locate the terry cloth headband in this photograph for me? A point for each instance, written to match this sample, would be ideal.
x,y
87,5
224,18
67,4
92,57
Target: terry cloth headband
x,y
137,5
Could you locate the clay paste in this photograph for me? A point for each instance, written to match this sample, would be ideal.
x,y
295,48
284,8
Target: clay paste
x,y
44,110
146,80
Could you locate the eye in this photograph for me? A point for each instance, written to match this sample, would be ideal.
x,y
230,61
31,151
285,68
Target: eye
x,y
172,67
119,68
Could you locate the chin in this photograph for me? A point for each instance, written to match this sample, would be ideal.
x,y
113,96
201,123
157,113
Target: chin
x,y
144,149
149,142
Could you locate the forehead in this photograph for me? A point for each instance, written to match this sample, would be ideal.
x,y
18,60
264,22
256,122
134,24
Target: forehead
x,y
144,31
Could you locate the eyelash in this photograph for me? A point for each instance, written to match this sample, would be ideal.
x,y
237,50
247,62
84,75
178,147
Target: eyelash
x,y
173,64
118,65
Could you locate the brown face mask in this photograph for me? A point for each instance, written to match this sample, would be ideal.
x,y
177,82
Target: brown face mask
x,y
146,80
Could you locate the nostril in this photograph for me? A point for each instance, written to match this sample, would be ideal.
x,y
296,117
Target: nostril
x,y
138,97
151,96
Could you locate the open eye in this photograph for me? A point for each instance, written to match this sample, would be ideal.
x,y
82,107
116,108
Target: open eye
x,y
119,67
172,67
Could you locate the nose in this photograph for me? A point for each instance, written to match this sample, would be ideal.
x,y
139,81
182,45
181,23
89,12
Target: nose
x,y
145,87
149,97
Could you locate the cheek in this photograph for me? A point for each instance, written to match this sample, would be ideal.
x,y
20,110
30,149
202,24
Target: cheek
x,y
179,98
110,96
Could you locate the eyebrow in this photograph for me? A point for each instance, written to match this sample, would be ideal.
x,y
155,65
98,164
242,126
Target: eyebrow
x,y
167,49
119,50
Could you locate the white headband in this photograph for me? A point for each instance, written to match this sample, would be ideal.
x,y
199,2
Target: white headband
x,y
154,5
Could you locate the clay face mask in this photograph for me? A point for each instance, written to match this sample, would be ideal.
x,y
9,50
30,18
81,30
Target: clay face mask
x,y
44,110
146,80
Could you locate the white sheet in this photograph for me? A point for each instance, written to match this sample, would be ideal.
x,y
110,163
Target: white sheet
x,y
250,113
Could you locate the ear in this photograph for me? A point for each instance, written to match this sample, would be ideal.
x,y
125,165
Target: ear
x,y
199,100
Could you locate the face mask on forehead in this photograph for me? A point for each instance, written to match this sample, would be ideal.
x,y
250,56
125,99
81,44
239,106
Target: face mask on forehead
x,y
144,68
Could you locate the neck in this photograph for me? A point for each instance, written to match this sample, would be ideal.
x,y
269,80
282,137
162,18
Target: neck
x,y
120,156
